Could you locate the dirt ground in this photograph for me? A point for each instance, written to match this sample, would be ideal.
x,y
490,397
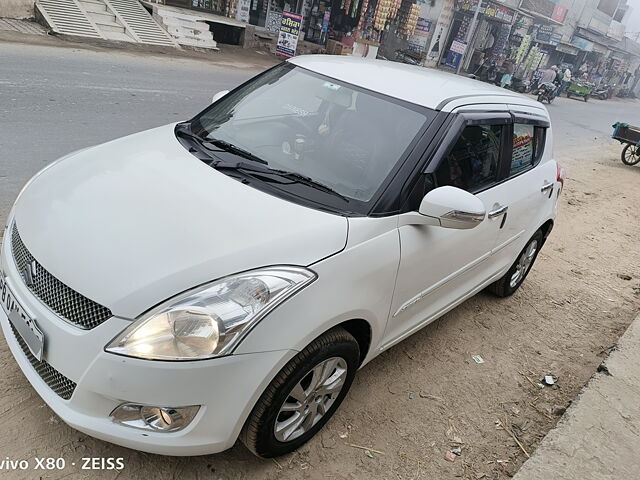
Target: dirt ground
x,y
427,395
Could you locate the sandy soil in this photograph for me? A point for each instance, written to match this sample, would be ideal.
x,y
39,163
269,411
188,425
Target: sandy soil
x,y
427,395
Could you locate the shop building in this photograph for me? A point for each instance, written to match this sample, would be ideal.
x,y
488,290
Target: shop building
x,y
469,48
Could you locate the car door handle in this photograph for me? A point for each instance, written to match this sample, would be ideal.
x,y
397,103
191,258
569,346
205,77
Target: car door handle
x,y
498,211
547,187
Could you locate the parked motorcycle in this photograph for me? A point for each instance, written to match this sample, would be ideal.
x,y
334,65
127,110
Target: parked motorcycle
x,y
602,92
547,91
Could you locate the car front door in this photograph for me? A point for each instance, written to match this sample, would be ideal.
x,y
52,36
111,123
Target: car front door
x,y
440,266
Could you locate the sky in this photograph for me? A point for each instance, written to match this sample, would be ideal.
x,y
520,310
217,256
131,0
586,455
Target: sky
x,y
633,23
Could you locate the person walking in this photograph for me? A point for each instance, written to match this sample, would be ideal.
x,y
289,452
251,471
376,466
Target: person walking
x,y
566,80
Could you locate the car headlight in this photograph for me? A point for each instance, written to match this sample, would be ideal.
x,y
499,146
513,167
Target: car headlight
x,y
211,320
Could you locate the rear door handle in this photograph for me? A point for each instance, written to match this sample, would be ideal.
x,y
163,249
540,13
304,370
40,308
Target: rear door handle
x,y
498,211
547,187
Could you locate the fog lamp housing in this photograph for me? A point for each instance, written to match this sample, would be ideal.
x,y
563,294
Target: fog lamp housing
x,y
157,419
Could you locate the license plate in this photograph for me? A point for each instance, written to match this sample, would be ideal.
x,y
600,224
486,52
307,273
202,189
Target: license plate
x,y
21,321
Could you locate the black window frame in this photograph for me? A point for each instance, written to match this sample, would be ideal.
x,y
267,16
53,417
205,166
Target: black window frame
x,y
540,126
442,146
459,121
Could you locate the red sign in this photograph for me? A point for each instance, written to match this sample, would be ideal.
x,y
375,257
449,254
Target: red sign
x,y
559,12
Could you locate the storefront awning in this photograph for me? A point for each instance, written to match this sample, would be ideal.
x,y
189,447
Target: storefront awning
x,y
566,48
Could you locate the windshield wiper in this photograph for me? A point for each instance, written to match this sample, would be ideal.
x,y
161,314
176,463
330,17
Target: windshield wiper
x,y
231,148
252,169
262,172
220,145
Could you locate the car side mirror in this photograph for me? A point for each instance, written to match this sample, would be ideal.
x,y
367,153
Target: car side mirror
x,y
219,95
452,207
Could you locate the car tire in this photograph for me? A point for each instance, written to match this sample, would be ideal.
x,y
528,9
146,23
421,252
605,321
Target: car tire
x,y
274,409
511,281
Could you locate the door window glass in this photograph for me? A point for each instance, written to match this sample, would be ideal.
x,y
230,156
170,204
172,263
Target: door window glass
x,y
474,160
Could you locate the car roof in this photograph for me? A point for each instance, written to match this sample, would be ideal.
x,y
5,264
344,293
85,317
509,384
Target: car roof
x,y
427,87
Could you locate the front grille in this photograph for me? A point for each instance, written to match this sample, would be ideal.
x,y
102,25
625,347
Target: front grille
x,y
60,384
66,302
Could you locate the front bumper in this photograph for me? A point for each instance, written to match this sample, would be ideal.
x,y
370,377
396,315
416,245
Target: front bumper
x,y
226,388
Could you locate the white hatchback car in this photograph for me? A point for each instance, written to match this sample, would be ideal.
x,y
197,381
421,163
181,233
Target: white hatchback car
x,y
225,277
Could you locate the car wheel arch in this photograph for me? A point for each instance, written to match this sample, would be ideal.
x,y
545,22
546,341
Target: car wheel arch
x,y
546,228
361,330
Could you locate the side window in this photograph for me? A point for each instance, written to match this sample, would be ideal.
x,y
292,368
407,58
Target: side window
x,y
528,143
473,162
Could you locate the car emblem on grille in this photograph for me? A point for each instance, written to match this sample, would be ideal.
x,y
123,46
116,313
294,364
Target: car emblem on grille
x,y
30,272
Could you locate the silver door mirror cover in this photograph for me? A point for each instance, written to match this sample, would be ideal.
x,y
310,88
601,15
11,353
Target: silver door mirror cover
x,y
452,207
219,95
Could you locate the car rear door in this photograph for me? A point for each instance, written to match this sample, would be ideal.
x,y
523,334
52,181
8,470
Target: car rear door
x,y
527,185
440,266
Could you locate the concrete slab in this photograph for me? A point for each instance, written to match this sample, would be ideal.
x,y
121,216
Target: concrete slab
x,y
22,26
598,438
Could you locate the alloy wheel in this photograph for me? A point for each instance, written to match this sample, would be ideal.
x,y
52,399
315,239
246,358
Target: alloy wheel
x,y
524,263
310,399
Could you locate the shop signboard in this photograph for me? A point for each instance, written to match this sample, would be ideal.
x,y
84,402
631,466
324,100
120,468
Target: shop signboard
x,y
582,43
440,33
423,27
455,54
418,41
242,13
289,32
488,9
546,8
559,13
544,33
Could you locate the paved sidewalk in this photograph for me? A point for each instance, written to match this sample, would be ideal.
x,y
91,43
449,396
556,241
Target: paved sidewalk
x,y
22,26
599,435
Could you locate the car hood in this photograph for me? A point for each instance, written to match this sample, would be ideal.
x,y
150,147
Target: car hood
x,y
135,221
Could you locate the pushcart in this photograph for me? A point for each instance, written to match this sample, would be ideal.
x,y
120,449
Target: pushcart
x,y
579,89
630,136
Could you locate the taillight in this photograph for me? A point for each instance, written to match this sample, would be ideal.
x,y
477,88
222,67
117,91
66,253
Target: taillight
x,y
560,177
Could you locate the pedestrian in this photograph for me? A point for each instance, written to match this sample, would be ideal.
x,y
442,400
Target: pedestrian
x,y
566,80
509,68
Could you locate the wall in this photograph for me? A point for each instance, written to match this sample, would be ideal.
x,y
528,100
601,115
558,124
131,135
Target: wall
x,y
16,8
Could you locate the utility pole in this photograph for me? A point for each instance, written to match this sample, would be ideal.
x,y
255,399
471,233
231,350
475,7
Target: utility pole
x,y
467,40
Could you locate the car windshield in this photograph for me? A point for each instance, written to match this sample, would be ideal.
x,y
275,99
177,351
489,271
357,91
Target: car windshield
x,y
335,135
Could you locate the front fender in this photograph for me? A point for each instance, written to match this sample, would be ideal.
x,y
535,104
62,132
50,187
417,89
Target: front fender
x,y
356,283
